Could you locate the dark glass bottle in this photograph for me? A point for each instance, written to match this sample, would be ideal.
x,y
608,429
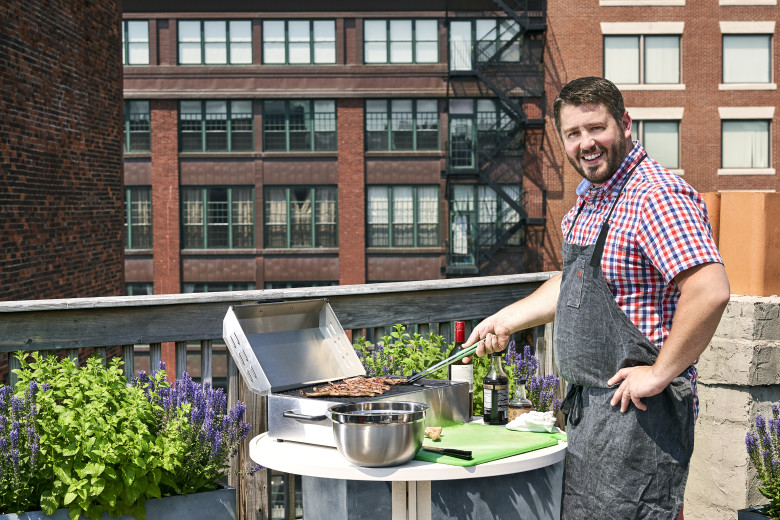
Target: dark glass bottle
x,y
495,391
459,371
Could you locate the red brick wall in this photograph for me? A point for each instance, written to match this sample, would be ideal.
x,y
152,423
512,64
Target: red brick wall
x,y
574,48
351,186
61,196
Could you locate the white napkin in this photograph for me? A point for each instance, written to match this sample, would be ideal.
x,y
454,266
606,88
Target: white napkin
x,y
533,422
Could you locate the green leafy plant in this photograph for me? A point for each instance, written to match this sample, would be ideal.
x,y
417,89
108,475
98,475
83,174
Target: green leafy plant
x,y
106,445
763,447
402,354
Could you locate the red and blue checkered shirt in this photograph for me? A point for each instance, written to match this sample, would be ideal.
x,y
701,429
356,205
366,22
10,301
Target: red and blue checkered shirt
x,y
658,229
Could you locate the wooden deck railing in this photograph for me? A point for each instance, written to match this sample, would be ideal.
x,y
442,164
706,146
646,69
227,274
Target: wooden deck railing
x,y
130,321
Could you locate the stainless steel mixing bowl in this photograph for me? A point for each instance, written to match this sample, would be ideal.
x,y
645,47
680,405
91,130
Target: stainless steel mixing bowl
x,y
379,433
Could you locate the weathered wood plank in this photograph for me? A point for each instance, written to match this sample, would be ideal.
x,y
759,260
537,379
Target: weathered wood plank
x,y
205,361
96,322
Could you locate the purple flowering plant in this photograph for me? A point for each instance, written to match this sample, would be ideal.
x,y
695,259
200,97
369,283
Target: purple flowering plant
x,y
105,445
20,483
540,389
196,420
763,447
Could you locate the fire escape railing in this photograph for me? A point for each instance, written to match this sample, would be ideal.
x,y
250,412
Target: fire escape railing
x,y
511,82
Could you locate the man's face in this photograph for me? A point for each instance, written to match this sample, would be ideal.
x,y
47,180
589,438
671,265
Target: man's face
x,y
595,143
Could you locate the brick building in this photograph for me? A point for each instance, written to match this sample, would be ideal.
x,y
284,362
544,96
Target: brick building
x,y
61,198
353,144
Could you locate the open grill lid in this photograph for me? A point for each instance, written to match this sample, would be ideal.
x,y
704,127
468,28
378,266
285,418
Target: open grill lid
x,y
278,346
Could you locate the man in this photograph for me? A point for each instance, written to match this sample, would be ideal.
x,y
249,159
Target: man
x,y
642,290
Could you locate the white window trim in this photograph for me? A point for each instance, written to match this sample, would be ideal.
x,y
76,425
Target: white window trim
x,y
655,113
747,86
609,3
746,112
747,2
610,28
747,27
651,86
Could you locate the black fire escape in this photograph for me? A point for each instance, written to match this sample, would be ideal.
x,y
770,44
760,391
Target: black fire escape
x,y
501,152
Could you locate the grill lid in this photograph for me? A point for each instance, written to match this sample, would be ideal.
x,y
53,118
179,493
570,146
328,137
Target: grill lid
x,y
278,346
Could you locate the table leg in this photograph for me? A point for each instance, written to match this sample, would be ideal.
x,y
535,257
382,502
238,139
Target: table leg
x,y
411,500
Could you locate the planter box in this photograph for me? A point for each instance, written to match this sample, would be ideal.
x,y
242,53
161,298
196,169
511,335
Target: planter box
x,y
752,513
219,504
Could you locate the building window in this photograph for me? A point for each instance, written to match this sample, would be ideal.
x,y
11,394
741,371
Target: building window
x,y
299,125
642,59
481,40
400,41
300,216
216,126
661,139
296,285
138,217
747,58
299,42
135,42
745,144
402,124
479,218
479,124
218,218
204,287
215,42
139,288
138,128
403,216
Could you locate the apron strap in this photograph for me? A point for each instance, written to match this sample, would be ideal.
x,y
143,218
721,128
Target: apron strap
x,y
598,251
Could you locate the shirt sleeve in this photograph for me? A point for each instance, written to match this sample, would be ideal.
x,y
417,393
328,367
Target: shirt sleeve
x,y
675,231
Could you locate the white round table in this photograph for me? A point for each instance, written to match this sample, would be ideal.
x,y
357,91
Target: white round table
x,y
411,482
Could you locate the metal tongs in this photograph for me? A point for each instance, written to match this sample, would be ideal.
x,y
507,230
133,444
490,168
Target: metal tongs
x,y
446,362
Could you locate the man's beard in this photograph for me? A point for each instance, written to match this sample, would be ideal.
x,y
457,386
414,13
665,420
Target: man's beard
x,y
615,156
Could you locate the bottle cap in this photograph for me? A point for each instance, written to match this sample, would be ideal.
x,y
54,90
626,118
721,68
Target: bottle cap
x,y
460,331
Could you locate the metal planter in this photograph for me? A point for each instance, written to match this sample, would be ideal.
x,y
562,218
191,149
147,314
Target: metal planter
x,y
219,504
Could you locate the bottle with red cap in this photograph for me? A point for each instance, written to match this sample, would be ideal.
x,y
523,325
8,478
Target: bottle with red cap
x,y
460,371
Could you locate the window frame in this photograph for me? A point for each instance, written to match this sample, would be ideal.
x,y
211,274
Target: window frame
x,y
734,114
133,207
229,42
416,211
315,236
502,123
311,41
204,222
389,130
414,42
745,85
310,119
476,221
129,130
642,115
231,286
230,124
127,44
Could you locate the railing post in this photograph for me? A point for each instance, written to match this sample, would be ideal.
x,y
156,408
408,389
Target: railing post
x,y
155,356
205,361
128,353
13,364
181,358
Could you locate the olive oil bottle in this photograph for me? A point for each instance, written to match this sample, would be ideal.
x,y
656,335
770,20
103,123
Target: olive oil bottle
x,y
495,388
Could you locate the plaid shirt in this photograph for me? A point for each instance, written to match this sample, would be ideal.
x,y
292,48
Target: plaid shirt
x,y
658,229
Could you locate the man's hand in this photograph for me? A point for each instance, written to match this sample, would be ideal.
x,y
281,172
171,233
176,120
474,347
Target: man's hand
x,y
637,382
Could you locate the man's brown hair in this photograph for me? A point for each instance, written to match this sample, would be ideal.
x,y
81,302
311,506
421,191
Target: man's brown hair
x,y
590,91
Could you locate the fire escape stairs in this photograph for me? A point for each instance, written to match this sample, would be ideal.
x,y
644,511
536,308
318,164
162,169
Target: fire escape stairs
x,y
508,89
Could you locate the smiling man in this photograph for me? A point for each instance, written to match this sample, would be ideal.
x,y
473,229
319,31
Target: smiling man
x,y
641,292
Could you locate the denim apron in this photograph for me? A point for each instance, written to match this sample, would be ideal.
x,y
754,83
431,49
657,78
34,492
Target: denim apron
x,y
618,465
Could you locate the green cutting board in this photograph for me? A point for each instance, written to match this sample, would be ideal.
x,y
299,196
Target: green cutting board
x,y
486,443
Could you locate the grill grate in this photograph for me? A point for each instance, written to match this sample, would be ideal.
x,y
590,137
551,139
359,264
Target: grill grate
x,y
395,390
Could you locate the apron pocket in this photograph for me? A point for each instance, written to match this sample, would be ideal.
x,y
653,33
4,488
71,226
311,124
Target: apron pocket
x,y
575,294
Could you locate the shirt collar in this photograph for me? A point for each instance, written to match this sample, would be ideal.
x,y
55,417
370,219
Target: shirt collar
x,y
588,191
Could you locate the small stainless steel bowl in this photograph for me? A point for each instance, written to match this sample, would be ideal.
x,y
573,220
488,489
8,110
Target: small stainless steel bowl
x,y
379,433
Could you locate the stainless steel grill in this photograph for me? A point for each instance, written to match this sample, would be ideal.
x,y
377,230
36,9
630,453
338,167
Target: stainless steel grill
x,y
282,349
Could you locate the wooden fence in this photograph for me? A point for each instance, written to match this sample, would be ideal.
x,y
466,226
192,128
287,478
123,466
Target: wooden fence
x,y
131,321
